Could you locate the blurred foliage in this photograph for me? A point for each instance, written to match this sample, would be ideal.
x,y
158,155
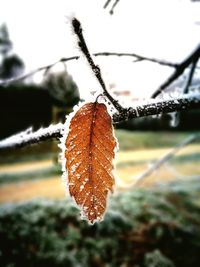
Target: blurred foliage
x,y
62,88
146,228
44,173
132,140
5,42
11,65
157,259
23,106
44,150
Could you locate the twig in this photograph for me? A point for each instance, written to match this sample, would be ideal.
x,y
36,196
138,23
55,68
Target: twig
x,y
179,70
46,68
107,3
96,70
190,77
113,7
189,101
139,57
140,178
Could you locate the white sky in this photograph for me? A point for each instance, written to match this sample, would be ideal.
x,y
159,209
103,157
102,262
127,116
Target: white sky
x,y
165,29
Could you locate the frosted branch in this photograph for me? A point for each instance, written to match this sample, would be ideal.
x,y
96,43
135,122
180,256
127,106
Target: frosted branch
x,y
95,68
155,107
28,137
190,101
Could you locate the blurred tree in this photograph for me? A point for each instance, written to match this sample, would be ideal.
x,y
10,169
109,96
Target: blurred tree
x,y
62,88
5,42
64,93
11,65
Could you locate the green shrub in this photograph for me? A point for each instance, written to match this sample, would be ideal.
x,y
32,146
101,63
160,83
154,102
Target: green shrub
x,y
50,233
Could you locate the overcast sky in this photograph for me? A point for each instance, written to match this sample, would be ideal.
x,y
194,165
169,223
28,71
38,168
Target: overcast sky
x,y
165,29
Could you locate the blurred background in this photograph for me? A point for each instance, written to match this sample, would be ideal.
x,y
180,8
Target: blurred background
x,y
157,222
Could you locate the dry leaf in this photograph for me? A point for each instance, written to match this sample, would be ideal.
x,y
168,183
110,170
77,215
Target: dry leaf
x,y
89,154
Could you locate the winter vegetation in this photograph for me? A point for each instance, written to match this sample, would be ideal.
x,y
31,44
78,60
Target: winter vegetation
x,y
152,218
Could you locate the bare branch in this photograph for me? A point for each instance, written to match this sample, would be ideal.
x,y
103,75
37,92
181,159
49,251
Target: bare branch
x,y
107,3
46,68
179,70
139,57
140,178
190,101
113,6
190,77
96,70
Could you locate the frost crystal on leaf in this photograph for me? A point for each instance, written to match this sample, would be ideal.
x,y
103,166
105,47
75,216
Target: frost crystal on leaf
x,y
89,152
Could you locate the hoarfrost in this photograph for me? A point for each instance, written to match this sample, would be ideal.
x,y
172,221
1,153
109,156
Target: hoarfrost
x,y
81,188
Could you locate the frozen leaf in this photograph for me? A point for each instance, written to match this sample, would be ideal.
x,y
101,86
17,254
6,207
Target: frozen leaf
x,y
89,152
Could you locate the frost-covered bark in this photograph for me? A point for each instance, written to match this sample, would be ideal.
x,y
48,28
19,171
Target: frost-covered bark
x,y
155,107
28,137
189,101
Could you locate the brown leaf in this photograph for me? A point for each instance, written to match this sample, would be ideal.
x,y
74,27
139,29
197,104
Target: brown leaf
x,y
89,153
